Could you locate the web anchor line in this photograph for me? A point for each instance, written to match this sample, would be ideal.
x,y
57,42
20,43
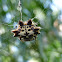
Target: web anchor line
x,y
19,8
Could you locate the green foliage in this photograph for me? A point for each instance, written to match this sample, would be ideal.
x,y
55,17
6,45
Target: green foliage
x,y
47,47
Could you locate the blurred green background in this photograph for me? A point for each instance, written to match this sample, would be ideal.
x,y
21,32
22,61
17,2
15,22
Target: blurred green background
x,y
47,47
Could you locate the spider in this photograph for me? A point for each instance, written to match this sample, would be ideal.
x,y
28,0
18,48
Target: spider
x,y
26,31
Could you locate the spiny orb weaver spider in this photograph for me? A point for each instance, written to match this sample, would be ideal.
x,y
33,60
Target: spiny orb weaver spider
x,y
26,31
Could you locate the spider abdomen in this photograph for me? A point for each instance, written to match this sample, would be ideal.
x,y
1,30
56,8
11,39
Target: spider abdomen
x,y
26,31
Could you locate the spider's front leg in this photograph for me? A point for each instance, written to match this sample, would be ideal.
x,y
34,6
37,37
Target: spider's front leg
x,y
21,39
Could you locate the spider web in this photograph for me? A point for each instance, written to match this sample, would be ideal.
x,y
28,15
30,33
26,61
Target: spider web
x,y
9,27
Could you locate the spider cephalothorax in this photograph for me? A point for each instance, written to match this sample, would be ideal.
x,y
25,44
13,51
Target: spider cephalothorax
x,y
26,31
